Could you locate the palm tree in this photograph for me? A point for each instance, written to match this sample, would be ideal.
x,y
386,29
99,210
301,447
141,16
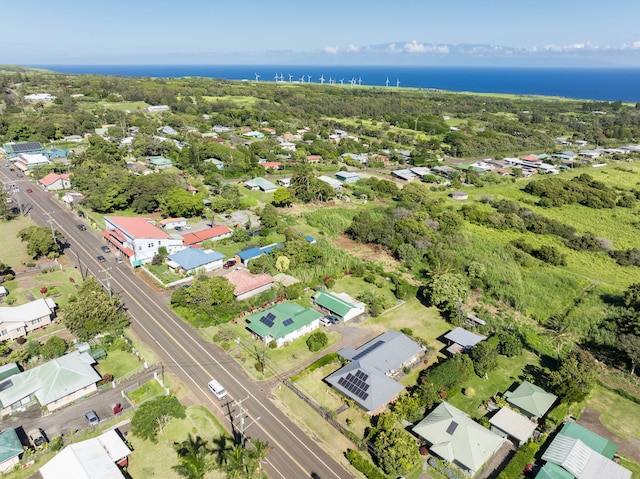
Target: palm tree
x,y
259,452
194,459
560,330
234,465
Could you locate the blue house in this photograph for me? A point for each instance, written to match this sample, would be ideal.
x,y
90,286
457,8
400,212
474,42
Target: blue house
x,y
54,153
192,259
347,177
245,256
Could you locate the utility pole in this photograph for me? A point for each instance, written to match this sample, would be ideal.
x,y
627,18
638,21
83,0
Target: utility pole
x,y
53,232
242,415
107,279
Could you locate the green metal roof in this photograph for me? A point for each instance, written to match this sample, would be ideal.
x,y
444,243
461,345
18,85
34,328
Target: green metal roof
x,y
10,445
160,160
281,313
594,441
553,471
532,399
8,370
332,302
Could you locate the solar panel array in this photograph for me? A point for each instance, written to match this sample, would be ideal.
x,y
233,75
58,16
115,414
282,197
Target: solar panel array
x,y
268,319
368,350
356,384
452,427
29,146
287,322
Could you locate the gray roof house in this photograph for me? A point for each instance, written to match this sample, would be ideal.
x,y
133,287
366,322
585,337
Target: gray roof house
x,y
461,340
512,425
455,437
367,379
17,321
53,384
404,174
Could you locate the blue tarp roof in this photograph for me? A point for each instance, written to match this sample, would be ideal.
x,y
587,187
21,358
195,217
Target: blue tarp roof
x,y
191,258
249,253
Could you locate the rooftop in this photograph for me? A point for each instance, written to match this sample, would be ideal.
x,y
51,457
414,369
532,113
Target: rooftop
x,y
244,281
136,227
281,319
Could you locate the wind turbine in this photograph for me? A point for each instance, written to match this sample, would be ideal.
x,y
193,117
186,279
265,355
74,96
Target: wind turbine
x,y
322,79
352,81
397,83
331,80
276,78
302,79
308,78
341,81
257,77
359,81
387,82
290,77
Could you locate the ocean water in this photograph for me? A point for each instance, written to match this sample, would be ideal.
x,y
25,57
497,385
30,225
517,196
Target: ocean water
x,y
609,84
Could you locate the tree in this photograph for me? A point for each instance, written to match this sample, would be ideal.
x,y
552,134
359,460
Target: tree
x,y
146,420
94,311
484,357
54,347
630,344
509,344
448,290
632,297
396,451
560,331
269,216
316,341
282,197
194,458
575,378
40,241
179,202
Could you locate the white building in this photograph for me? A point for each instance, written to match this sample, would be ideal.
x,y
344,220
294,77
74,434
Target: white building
x,y
17,321
137,239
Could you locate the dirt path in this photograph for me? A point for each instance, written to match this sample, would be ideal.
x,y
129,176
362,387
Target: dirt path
x,y
591,420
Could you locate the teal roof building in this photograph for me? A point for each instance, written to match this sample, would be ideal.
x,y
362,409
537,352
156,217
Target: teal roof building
x,y
283,322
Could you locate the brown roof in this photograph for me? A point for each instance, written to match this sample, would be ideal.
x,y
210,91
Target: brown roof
x,y
209,233
51,178
244,281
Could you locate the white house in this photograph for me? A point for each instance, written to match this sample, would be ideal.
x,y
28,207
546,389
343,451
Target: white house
x,y
17,321
137,239
54,182
283,323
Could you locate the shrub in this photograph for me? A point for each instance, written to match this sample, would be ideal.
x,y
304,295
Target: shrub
x,y
317,341
509,344
363,465
524,456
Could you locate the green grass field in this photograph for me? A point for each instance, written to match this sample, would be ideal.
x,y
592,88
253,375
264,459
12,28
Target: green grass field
x,y
14,251
118,363
146,391
26,288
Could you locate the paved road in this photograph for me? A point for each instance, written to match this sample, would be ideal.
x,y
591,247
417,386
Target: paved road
x,y
184,353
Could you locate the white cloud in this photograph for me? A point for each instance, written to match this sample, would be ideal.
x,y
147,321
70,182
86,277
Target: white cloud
x,y
351,48
635,45
331,50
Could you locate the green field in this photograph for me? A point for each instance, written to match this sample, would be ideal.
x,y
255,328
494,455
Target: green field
x,y
118,363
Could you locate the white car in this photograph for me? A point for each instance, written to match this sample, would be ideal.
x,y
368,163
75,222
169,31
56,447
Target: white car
x,y
217,389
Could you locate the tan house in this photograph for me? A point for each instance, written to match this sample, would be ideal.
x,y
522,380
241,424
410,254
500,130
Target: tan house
x,y
54,182
18,321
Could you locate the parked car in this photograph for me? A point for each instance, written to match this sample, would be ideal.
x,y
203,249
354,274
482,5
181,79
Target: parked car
x,y
204,217
229,264
101,258
118,260
92,418
29,190
177,228
81,227
37,438
20,175
332,319
105,249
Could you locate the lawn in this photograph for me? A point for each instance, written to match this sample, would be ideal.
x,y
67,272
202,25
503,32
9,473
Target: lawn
x,y
354,287
118,363
14,251
163,273
259,196
27,288
236,100
508,372
147,391
621,416
156,459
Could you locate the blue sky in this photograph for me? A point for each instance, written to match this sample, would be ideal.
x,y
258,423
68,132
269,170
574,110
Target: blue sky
x,y
411,32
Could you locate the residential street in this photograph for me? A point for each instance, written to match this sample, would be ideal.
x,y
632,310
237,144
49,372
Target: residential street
x,y
184,353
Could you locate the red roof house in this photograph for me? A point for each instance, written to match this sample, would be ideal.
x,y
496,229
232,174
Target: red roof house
x,y
54,181
247,284
216,233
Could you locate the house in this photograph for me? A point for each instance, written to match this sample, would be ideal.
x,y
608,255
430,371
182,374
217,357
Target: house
x,y
260,184
137,239
214,233
577,452
284,182
283,322
73,138
96,458
404,174
157,108
10,450
445,171
55,153
191,260
54,182
531,400
332,182
248,254
274,165
18,321
455,437
359,157
340,305
461,340
40,97
12,149
248,285
314,159
254,134
171,223
167,130
367,379
138,169
347,177
215,162
512,425
288,146
420,171
29,162
53,384
160,162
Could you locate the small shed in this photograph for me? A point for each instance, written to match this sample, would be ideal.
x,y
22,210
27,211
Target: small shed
x,y
459,195
461,340
512,425
347,176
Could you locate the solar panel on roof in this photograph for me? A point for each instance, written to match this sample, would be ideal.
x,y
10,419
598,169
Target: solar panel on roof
x,y
364,376
365,387
271,316
341,382
287,322
29,146
368,350
452,427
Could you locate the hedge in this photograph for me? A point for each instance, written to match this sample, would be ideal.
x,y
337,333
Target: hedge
x,y
363,465
523,457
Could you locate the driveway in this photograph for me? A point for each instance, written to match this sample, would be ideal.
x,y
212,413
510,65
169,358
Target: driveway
x,y
591,420
71,417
